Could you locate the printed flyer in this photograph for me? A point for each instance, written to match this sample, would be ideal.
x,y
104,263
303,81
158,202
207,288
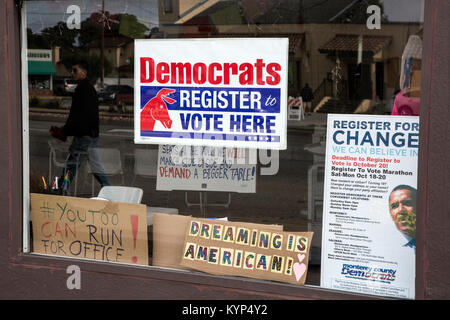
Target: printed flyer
x,y
211,92
370,193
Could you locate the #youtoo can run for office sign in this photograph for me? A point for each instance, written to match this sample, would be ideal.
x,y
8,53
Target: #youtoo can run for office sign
x,y
212,92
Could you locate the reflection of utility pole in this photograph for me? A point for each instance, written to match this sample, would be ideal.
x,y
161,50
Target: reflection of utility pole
x,y
102,55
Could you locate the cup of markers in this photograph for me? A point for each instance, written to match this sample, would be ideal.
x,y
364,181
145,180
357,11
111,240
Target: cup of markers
x,y
56,187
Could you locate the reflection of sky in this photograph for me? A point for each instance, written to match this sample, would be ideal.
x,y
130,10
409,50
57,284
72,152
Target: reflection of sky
x,y
41,14
404,10
44,13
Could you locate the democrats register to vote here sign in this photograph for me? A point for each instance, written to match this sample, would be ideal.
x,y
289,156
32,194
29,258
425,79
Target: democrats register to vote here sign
x,y
369,217
212,92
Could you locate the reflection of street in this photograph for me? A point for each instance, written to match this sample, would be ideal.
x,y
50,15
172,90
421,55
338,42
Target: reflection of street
x,y
278,199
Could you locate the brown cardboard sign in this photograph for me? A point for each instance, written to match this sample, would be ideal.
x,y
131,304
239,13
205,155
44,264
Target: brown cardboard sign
x,y
169,233
231,248
414,90
168,238
89,229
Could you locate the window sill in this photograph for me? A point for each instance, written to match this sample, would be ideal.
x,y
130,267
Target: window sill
x,y
268,289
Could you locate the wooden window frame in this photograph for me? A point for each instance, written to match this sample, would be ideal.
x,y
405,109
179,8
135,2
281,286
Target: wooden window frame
x,y
29,273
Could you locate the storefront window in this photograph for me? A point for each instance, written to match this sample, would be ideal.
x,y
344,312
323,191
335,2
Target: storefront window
x,y
346,58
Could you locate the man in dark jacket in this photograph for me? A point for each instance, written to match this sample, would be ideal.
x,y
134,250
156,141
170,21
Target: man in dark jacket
x,y
83,125
307,97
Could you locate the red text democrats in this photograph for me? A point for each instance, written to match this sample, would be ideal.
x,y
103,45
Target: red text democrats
x,y
215,73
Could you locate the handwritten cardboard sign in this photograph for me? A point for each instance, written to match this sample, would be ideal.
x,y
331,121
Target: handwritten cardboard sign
x,y
229,248
169,235
89,229
206,169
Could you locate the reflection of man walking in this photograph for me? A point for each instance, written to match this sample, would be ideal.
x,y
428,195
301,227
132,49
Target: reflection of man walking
x,y
307,97
83,125
402,207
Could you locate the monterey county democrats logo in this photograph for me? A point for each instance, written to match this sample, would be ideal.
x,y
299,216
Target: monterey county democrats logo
x,y
384,275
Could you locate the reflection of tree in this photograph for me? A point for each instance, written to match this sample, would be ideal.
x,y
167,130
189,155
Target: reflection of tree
x,y
88,33
131,27
36,41
59,35
356,12
306,11
93,61
75,44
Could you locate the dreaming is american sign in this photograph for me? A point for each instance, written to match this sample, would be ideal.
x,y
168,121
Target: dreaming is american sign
x,y
234,248
212,92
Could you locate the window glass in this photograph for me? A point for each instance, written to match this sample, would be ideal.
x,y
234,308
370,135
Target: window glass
x,y
344,57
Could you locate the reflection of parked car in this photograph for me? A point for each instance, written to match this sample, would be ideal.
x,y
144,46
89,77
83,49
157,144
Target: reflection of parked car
x,y
64,86
117,94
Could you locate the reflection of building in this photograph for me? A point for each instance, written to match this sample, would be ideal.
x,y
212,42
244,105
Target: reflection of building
x,y
40,69
119,52
347,65
353,65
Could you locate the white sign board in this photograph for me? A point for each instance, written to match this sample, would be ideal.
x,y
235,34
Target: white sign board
x,y
212,92
206,169
370,192
295,106
39,55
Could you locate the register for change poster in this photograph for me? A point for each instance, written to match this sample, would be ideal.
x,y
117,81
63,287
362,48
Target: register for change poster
x,y
368,241
212,92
